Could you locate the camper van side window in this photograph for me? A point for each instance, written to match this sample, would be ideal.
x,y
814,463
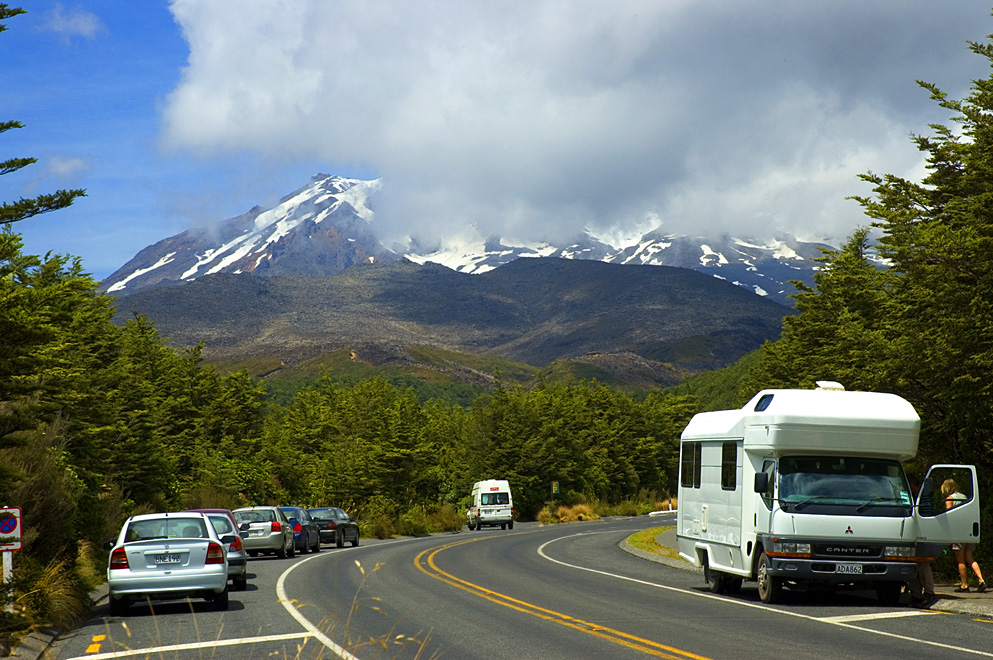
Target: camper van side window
x,y
689,469
729,465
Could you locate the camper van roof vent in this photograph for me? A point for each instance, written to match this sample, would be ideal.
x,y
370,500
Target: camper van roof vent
x,y
830,385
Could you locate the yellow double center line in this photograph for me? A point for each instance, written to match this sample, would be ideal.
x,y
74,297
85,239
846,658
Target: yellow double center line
x,y
428,566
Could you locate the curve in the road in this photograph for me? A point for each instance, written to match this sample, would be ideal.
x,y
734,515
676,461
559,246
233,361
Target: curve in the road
x,y
425,562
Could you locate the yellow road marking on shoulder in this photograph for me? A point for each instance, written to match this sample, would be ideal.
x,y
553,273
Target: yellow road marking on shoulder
x,y
603,632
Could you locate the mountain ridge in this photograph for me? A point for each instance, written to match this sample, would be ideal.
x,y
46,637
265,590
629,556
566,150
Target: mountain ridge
x,y
327,226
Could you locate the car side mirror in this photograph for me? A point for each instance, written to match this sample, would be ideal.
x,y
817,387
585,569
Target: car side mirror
x,y
761,482
245,527
109,545
228,539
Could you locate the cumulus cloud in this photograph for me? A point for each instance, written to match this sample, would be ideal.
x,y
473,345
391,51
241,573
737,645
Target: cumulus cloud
x,y
541,118
72,23
67,166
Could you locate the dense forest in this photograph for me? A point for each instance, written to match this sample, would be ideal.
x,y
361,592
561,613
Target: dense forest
x,y
99,421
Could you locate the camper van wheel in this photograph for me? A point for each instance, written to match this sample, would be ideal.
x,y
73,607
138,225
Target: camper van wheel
x,y
770,586
718,582
510,525
734,585
888,593
503,525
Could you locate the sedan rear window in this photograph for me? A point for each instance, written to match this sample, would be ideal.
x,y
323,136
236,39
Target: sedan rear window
x,y
166,528
222,525
262,515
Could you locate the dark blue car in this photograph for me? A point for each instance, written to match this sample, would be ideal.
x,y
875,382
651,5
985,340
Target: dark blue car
x,y
306,533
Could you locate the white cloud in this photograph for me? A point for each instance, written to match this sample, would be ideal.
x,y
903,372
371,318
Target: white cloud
x,y
67,166
542,117
72,23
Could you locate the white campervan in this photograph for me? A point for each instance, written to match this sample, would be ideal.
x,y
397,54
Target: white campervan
x,y
806,487
492,504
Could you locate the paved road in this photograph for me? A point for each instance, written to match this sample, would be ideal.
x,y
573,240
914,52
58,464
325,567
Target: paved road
x,y
557,592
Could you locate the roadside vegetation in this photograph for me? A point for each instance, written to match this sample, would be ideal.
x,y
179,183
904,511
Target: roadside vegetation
x,y
645,540
99,421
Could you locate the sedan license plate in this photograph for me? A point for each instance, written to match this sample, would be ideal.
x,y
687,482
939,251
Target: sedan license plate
x,y
168,559
851,569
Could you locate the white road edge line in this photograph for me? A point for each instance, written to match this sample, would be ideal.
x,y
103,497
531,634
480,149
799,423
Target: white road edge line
x,y
290,607
192,645
828,620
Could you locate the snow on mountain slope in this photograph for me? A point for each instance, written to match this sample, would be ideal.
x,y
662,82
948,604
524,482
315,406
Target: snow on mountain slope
x,y
324,227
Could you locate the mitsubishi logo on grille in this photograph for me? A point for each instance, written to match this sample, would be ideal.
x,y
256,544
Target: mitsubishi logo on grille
x,y
849,530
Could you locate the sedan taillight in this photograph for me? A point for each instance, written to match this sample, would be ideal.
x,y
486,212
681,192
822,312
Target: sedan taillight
x,y
215,554
297,528
332,526
276,526
237,545
118,559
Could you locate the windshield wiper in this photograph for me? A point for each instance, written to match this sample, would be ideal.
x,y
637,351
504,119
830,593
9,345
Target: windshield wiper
x,y
876,501
802,503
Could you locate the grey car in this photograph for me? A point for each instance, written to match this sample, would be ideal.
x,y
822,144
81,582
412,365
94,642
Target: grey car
x,y
166,556
225,525
269,531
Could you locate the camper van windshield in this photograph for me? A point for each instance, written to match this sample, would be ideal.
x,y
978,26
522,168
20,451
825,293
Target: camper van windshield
x,y
490,499
813,482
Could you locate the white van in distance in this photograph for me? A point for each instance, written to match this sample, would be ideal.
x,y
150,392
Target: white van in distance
x,y
804,488
492,504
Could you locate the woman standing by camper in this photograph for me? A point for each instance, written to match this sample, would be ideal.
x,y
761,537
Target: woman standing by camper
x,y
963,551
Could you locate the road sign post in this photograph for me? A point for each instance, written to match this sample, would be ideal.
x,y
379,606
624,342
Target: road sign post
x,y
10,540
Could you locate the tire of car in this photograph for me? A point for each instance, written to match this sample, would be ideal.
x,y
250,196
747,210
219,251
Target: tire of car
x,y
292,550
355,541
253,553
510,525
221,601
240,583
339,539
281,553
317,544
304,548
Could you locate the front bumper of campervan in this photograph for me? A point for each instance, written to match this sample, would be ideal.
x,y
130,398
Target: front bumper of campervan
x,y
839,561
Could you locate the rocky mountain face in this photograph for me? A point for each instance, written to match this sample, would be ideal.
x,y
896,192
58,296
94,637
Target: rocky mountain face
x,y
323,228
534,310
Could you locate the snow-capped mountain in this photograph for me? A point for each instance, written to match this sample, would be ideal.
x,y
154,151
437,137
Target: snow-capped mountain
x,y
323,228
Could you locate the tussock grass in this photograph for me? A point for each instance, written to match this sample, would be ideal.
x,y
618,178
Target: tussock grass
x,y
645,540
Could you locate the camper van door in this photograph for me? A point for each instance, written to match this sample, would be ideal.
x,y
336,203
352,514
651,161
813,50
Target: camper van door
x,y
943,517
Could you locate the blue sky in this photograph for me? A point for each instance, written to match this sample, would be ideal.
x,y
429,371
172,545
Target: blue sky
x,y
532,120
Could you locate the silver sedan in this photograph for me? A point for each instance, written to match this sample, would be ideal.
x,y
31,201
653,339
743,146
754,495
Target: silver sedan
x,y
165,556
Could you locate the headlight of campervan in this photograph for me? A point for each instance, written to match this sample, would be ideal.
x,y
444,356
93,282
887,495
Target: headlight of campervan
x,y
791,548
898,552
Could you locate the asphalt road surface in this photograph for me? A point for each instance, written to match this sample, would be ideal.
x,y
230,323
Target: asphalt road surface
x,y
555,592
